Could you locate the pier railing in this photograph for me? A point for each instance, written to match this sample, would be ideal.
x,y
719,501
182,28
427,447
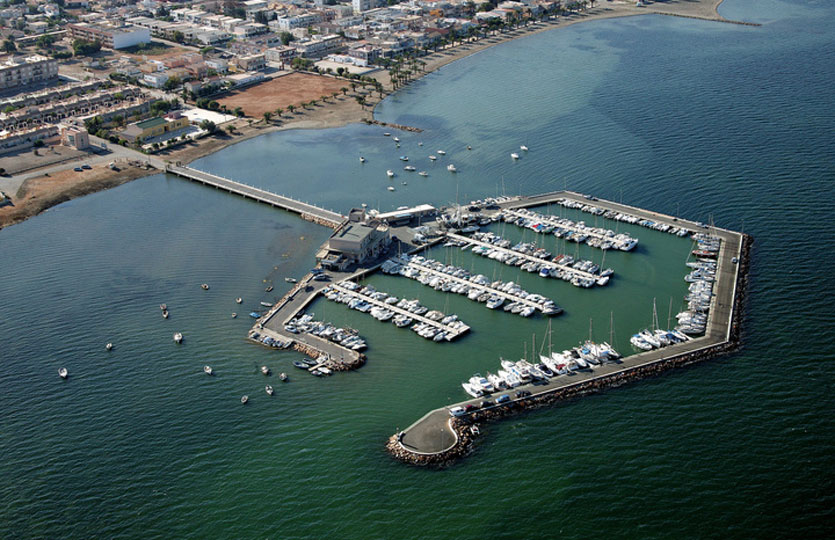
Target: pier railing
x,y
307,211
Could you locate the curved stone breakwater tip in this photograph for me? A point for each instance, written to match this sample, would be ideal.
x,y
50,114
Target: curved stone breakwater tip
x,y
335,364
463,426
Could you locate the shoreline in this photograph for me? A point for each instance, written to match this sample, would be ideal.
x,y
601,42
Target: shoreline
x,y
338,113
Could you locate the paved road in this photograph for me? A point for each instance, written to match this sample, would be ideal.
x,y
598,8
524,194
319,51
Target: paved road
x,y
11,184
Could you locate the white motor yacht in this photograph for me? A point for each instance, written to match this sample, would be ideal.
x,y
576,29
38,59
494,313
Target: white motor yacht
x,y
178,337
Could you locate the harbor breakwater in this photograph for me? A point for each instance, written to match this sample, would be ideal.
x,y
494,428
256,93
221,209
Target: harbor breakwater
x,y
463,426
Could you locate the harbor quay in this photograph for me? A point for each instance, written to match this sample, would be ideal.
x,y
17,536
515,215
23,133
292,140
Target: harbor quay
x,y
444,435
363,241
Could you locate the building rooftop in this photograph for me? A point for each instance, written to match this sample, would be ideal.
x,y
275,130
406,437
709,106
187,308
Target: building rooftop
x,y
353,232
150,123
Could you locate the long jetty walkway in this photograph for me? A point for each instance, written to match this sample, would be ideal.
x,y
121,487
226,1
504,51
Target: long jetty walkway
x,y
307,211
488,288
450,331
436,439
544,262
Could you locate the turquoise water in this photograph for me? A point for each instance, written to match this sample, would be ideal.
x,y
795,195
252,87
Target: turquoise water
x,y
703,119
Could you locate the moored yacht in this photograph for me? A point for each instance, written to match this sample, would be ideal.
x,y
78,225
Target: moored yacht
x,y
472,390
178,337
63,373
207,370
269,390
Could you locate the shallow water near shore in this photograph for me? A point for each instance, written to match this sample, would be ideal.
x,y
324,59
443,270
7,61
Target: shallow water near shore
x,y
701,119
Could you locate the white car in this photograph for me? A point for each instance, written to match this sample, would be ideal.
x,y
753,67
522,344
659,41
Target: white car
x,y
457,411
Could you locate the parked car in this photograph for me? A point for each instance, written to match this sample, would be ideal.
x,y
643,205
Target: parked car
x,y
457,411
486,403
86,167
504,398
522,393
78,169
470,407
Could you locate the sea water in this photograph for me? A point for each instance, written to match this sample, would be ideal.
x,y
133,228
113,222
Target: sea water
x,y
705,120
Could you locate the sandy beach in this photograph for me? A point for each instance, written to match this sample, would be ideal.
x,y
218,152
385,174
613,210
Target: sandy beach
x,y
39,192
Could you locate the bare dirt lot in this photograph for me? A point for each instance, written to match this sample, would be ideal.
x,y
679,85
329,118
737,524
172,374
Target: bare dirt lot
x,y
42,192
290,89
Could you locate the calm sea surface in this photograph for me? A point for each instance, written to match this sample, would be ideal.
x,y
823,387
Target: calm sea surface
x,y
707,120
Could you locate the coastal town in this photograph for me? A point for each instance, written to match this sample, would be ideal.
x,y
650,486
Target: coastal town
x,y
97,93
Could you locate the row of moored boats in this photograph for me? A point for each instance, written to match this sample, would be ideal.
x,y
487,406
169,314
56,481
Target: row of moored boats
x,y
269,341
442,328
512,374
346,337
578,231
579,272
647,339
693,320
624,217
476,287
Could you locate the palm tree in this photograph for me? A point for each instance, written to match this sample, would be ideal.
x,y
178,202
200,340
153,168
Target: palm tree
x,y
344,90
278,112
291,108
267,116
334,95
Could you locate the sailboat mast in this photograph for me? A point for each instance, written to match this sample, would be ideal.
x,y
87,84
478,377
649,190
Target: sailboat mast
x,y
670,313
654,316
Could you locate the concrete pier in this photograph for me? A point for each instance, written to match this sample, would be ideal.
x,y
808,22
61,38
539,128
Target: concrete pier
x,y
307,211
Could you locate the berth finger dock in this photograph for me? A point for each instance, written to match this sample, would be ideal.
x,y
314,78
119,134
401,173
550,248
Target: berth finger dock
x,y
574,231
452,331
546,307
530,258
